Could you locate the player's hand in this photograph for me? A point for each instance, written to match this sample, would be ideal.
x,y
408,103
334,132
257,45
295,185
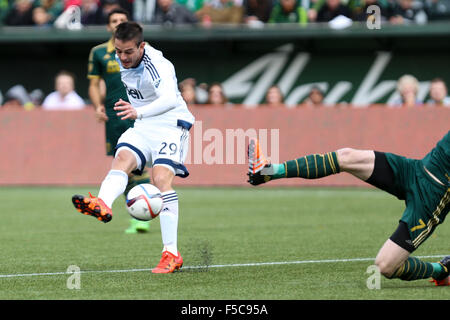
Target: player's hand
x,y
126,110
100,114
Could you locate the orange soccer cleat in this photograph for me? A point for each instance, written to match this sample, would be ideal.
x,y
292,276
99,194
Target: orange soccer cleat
x,y
92,206
256,159
444,280
168,263
256,163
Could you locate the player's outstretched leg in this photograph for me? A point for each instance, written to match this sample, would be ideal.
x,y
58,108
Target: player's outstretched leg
x,y
312,166
416,269
92,206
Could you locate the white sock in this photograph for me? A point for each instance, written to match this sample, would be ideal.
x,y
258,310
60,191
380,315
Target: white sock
x,y
169,221
113,186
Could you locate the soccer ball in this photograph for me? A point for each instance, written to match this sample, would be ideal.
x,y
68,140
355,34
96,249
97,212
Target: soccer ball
x,y
144,202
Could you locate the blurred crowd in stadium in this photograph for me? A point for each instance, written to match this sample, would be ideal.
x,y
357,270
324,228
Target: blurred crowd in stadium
x,y
207,12
65,96
40,13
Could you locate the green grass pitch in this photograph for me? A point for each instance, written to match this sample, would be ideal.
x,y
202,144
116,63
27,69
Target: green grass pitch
x,y
237,243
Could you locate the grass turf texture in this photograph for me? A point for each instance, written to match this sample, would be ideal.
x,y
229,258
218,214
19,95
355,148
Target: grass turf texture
x,y
41,232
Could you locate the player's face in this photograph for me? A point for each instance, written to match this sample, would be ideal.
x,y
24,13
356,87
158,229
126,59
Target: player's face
x,y
129,53
115,20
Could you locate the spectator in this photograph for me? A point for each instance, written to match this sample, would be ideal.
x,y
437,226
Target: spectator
x,y
288,11
37,97
127,5
170,13
91,12
332,9
20,14
187,89
216,96
17,98
143,11
68,3
315,98
437,9
12,103
313,9
407,87
405,12
106,7
221,11
65,97
96,12
257,11
4,8
274,96
438,93
46,11
192,5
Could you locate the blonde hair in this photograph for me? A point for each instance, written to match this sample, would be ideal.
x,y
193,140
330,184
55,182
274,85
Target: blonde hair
x,y
407,79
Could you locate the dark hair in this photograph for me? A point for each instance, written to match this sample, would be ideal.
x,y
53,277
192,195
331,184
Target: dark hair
x,y
216,84
438,80
277,88
118,11
129,30
66,73
316,88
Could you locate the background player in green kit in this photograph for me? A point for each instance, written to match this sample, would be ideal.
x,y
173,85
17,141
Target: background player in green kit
x,y
103,71
423,184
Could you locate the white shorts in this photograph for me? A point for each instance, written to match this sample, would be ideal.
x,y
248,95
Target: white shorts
x,y
158,145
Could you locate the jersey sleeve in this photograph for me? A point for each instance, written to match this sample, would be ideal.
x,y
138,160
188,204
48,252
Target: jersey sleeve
x,y
165,82
165,85
94,66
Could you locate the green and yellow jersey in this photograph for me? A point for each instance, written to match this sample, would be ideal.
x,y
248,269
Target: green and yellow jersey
x,y
427,201
438,160
102,64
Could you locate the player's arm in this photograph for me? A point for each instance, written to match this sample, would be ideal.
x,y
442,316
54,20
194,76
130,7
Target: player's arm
x,y
159,106
94,91
167,98
96,96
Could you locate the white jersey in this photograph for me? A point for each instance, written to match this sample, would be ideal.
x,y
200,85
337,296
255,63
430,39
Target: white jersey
x,y
154,79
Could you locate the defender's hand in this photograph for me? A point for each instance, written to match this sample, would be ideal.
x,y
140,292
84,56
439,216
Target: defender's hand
x,y
126,110
100,114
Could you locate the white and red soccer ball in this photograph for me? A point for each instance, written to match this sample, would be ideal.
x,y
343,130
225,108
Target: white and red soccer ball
x,y
144,202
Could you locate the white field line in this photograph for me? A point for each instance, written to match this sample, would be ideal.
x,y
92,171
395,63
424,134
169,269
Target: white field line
x,y
255,264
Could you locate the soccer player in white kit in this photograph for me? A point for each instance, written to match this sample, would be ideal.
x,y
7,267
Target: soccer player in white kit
x,y
159,137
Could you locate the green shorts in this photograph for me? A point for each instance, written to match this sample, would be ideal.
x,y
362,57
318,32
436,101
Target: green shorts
x,y
114,128
427,201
